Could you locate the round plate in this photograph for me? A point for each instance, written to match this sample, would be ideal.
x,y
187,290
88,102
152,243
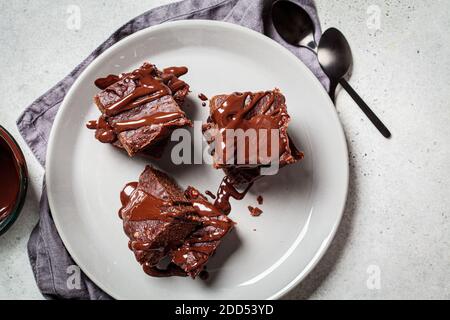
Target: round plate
x,y
264,256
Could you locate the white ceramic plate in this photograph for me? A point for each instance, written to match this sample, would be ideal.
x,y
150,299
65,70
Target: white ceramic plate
x,y
265,256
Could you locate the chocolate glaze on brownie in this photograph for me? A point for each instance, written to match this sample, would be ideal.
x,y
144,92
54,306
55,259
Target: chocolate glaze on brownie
x,y
154,213
201,244
260,111
140,108
161,220
229,190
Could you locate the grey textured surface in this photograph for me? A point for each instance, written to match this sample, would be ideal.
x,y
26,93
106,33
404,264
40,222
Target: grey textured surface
x,y
397,216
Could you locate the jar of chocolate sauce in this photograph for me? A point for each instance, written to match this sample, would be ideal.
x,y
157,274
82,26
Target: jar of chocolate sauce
x,y
13,180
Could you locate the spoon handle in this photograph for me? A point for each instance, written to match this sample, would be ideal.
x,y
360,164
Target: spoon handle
x,y
333,85
366,109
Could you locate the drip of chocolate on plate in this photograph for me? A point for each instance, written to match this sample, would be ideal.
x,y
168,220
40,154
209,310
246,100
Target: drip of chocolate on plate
x,y
226,191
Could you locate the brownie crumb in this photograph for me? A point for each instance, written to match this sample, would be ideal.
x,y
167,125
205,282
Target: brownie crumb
x,y
209,193
255,211
260,200
202,97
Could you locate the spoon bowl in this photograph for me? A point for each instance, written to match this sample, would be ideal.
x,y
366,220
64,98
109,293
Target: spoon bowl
x,y
293,24
335,57
334,54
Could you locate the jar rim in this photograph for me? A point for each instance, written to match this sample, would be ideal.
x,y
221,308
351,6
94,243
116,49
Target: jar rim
x,y
22,170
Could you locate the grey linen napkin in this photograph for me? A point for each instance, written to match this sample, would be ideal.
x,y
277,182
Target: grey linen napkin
x,y
51,263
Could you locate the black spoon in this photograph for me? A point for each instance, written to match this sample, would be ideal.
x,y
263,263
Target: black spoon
x,y
295,26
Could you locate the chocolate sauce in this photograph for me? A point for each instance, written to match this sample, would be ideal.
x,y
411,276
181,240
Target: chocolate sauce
x,y
232,111
227,190
138,205
202,97
209,193
232,114
210,216
151,85
203,207
92,124
10,180
103,83
148,88
170,78
247,111
156,118
176,71
127,191
104,132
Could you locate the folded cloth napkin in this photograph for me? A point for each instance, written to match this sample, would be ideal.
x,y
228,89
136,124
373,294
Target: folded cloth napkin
x,y
54,269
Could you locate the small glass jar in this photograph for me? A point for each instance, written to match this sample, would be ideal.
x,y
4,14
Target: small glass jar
x,y
10,145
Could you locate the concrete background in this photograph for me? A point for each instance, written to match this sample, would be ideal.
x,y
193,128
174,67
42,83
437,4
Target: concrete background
x,y
396,225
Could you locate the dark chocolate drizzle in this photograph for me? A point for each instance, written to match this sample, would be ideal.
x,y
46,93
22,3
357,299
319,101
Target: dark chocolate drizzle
x,y
104,132
203,242
236,112
103,83
138,205
126,192
226,191
150,85
156,118
210,194
148,88
176,71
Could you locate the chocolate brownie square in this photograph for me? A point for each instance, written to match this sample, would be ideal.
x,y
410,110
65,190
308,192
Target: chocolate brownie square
x,y
141,108
256,116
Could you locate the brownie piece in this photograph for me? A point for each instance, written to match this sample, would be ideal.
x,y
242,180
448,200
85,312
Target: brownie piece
x,y
202,243
155,218
141,108
261,111
161,221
